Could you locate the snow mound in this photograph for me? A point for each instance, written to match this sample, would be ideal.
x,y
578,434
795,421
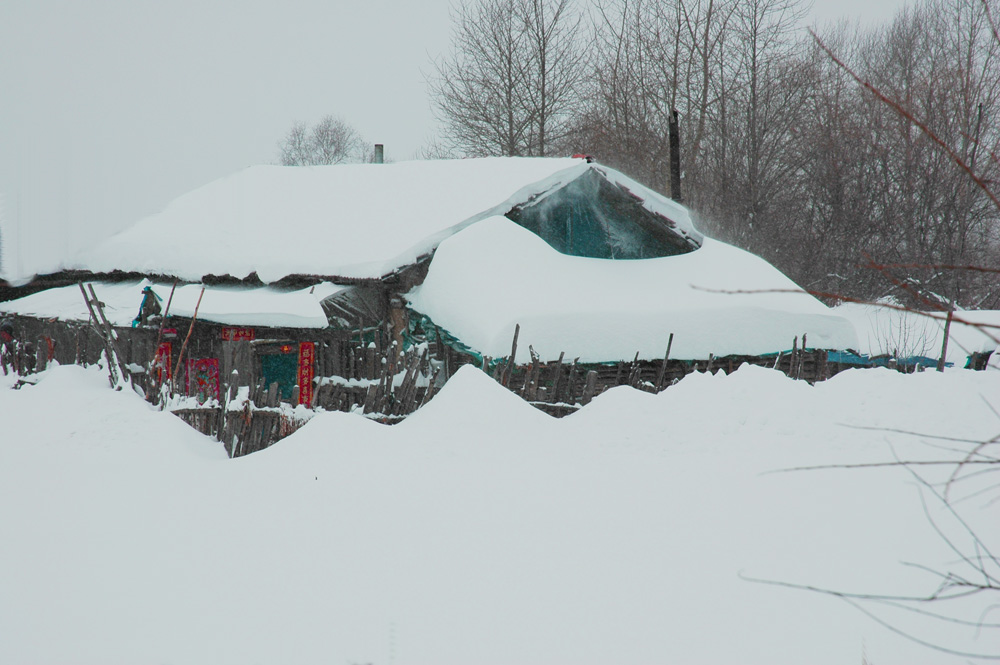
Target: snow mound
x,y
472,400
416,543
602,310
94,420
319,441
746,379
874,396
623,402
751,397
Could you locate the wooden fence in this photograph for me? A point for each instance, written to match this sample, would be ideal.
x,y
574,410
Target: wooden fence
x,y
371,377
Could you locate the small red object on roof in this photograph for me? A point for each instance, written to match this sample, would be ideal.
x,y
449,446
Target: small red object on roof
x,y
580,155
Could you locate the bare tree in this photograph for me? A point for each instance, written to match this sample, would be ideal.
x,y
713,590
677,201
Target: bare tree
x,y
687,49
830,223
761,87
729,68
556,68
928,133
508,86
296,149
813,172
330,141
620,123
478,90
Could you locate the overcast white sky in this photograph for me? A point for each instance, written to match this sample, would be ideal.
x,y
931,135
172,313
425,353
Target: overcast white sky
x,y
109,109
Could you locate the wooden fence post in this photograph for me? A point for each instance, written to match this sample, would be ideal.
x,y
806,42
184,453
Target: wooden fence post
x,y
947,333
556,378
588,391
663,367
513,356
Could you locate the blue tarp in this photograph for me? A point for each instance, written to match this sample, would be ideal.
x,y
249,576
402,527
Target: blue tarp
x,y
848,357
852,358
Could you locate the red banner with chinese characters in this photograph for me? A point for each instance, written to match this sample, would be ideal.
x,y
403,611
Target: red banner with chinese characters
x,y
234,334
307,358
161,364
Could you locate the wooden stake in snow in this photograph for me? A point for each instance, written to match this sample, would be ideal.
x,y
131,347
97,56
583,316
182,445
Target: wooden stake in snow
x,y
589,388
947,333
663,367
802,358
194,317
556,376
513,355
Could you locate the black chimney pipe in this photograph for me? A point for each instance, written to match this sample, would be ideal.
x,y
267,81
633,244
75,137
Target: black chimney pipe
x,y
675,157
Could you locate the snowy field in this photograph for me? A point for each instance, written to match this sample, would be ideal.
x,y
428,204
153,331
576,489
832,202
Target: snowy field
x,y
481,530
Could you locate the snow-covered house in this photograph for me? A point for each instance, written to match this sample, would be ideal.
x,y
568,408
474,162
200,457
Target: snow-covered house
x,y
316,266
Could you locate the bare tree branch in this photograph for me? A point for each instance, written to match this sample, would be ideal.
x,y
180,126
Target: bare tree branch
x,y
909,116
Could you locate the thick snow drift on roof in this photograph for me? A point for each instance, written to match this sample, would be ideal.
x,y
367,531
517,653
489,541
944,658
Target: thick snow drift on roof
x,y
493,275
357,220
266,306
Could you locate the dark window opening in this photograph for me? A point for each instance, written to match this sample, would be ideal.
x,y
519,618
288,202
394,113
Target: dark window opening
x,y
595,218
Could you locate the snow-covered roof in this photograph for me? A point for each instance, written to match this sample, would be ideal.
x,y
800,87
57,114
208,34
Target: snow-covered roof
x,y
490,271
602,310
265,306
351,221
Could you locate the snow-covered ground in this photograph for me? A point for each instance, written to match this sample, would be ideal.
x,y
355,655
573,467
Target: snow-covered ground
x,y
482,531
